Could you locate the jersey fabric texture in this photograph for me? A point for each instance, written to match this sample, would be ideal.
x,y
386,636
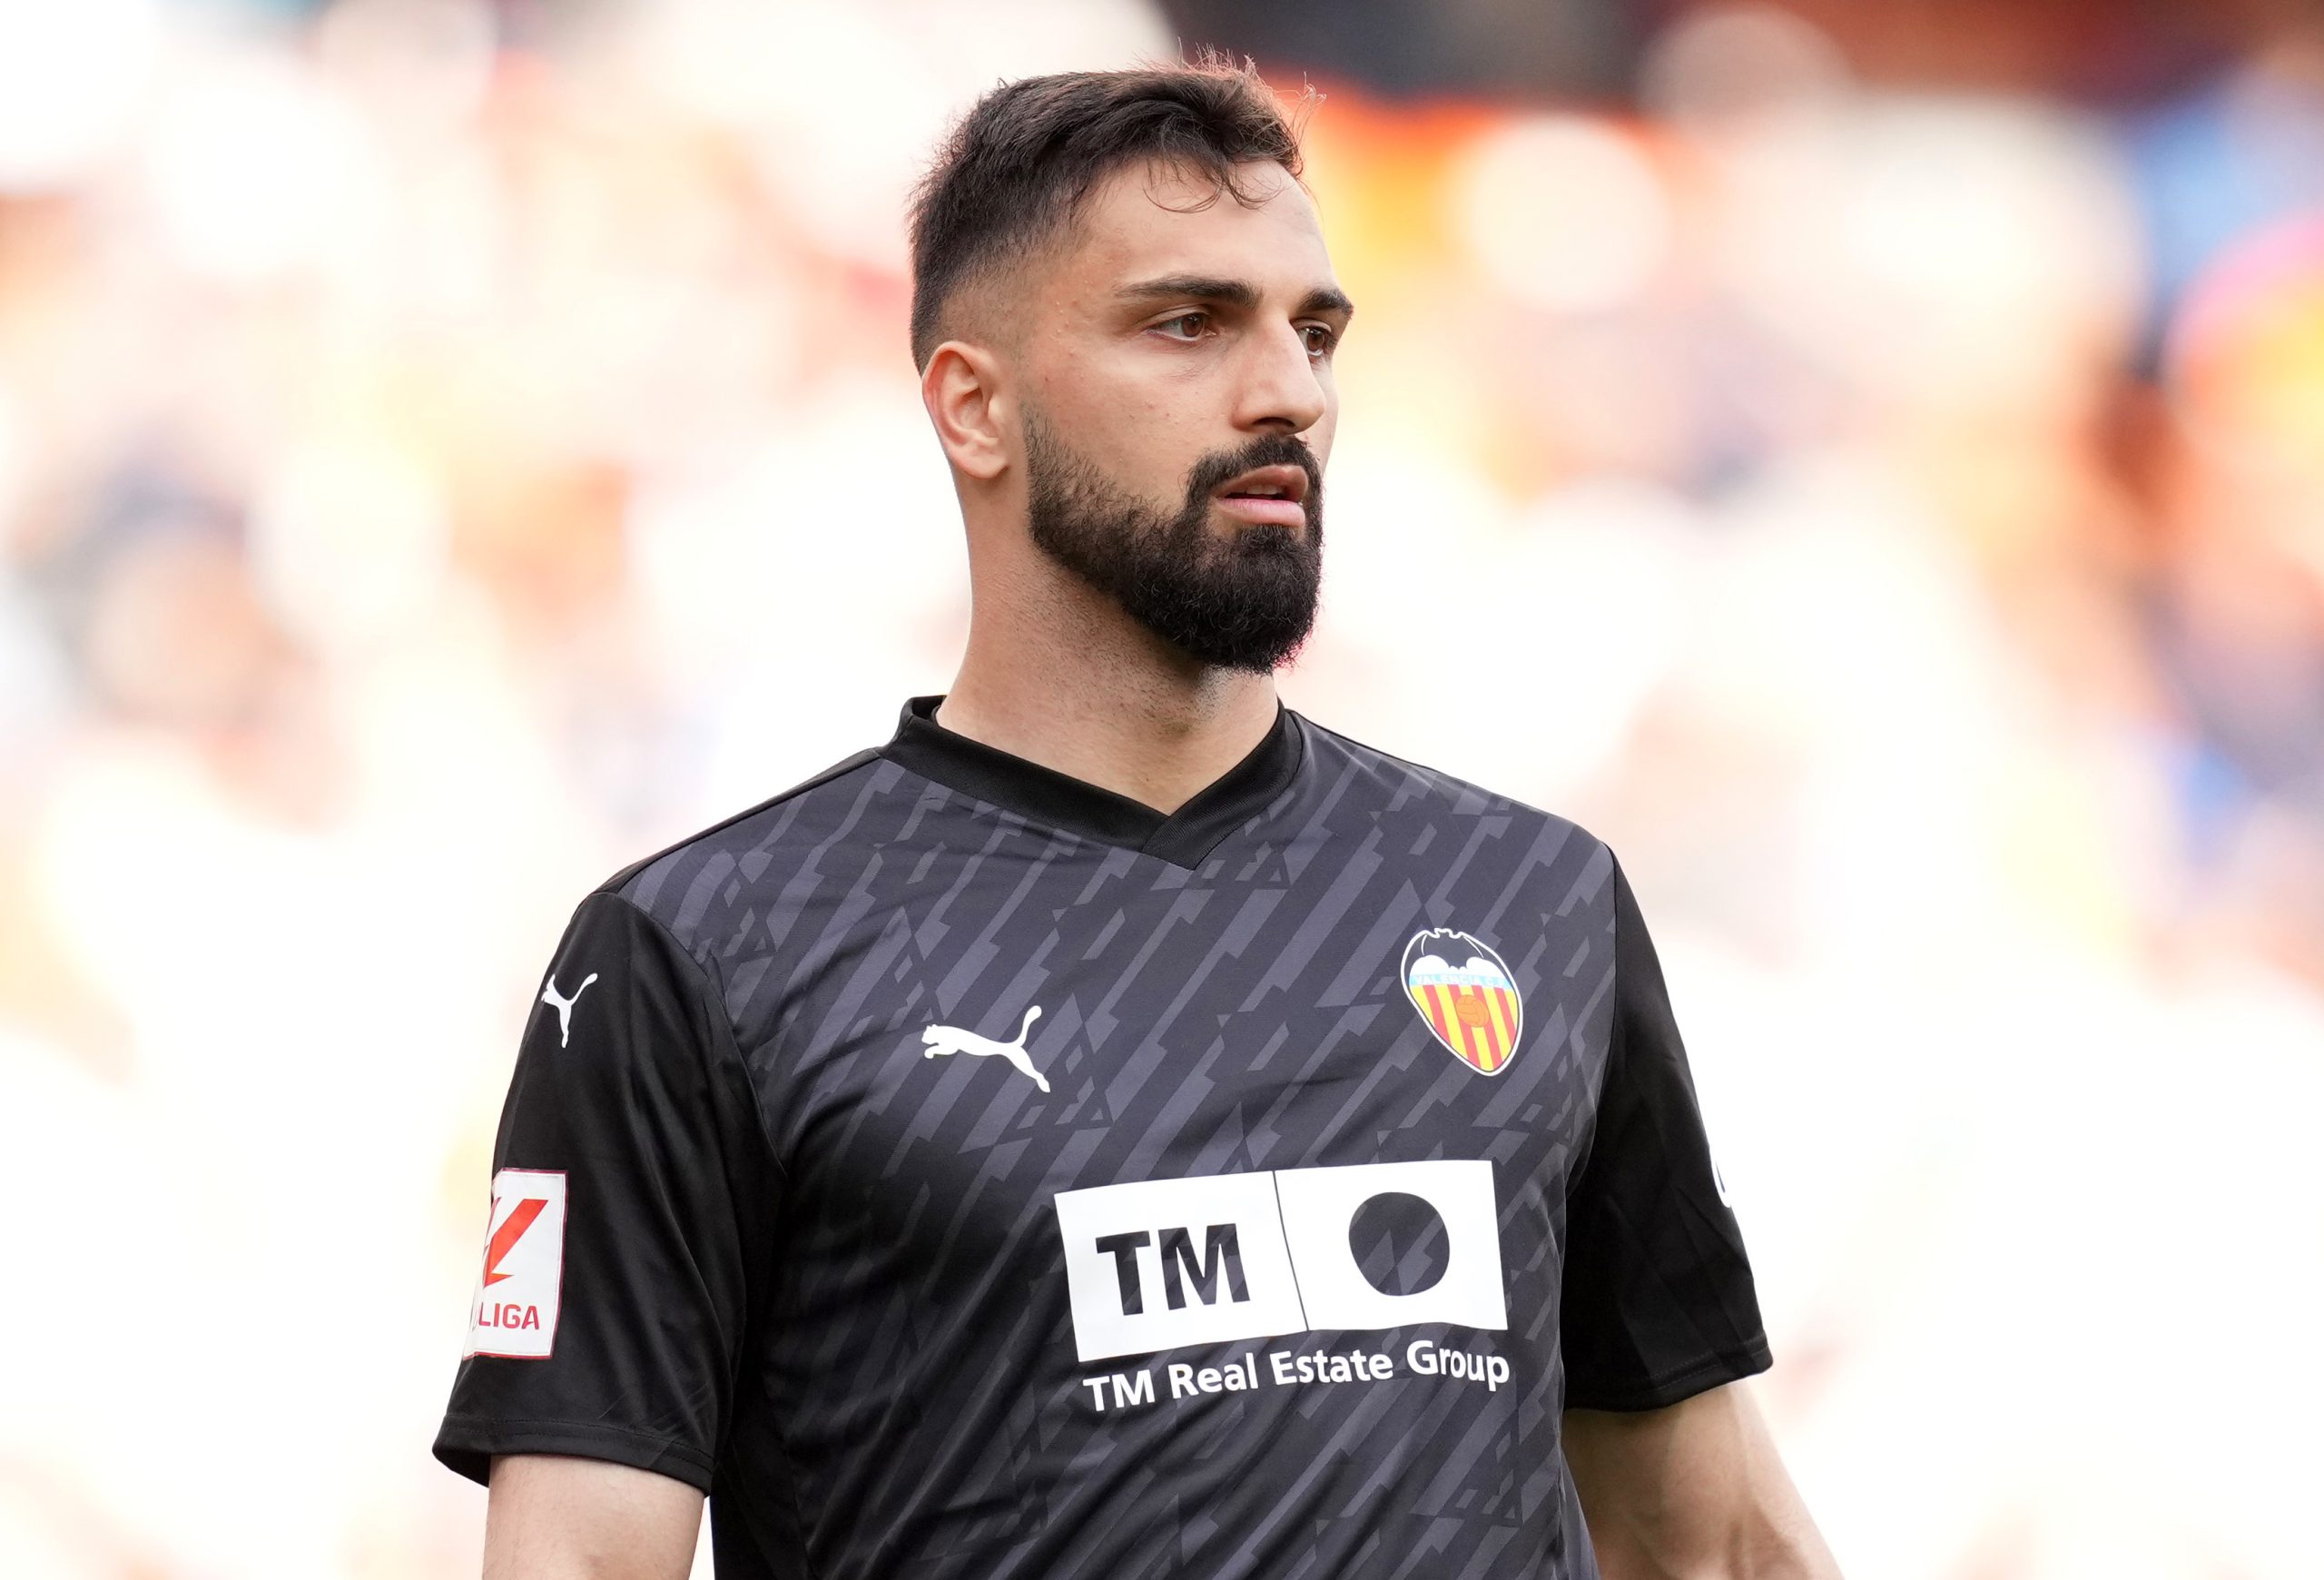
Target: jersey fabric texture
x,y
968,1171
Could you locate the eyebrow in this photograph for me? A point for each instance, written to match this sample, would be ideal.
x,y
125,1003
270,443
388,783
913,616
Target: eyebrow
x,y
1239,293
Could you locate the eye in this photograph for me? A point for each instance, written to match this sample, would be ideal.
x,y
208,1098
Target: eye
x,y
1321,339
1196,319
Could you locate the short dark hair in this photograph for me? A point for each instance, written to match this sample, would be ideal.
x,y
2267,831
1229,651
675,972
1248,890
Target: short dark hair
x,y
1013,173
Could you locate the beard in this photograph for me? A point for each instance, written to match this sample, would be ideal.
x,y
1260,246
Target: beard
x,y
1244,600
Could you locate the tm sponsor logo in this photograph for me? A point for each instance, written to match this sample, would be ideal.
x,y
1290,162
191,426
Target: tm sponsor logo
x,y
1207,1260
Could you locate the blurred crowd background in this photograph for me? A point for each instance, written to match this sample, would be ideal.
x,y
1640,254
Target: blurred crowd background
x,y
1864,458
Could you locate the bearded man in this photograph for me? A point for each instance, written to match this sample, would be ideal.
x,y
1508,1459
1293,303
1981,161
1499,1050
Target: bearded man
x,y
1119,1127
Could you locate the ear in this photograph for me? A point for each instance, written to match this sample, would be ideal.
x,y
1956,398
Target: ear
x,y
962,388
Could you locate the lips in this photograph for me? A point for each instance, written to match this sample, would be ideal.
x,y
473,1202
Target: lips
x,y
1272,494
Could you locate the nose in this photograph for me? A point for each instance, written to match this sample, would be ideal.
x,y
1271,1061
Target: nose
x,y
1281,389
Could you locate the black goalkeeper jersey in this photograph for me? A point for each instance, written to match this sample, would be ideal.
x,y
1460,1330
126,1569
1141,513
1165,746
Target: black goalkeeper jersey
x,y
960,1170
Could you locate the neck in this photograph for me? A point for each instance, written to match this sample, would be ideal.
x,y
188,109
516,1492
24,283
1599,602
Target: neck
x,y
1054,673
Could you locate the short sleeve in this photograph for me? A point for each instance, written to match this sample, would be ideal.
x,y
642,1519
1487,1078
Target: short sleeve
x,y
1658,1302
630,1179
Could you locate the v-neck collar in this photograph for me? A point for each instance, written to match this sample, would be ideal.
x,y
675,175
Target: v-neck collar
x,y
1183,838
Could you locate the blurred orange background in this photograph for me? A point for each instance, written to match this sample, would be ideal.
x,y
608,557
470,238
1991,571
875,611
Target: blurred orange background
x,y
1865,461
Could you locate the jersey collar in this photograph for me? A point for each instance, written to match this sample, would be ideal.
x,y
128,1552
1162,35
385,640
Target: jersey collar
x,y
1183,837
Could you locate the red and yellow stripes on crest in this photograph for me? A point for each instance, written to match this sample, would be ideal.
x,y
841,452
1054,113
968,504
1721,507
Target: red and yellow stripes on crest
x,y
1479,1023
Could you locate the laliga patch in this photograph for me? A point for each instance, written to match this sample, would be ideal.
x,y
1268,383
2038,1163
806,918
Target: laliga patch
x,y
1466,995
515,1310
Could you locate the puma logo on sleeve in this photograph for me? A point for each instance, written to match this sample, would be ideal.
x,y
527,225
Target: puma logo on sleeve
x,y
564,1006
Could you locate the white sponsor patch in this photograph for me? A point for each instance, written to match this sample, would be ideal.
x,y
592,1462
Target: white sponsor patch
x,y
1154,1264
514,1313
1319,1205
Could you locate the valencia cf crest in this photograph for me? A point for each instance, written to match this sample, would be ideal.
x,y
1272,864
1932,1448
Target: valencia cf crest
x,y
1466,995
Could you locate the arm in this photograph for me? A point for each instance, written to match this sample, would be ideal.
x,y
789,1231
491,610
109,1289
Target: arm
x,y
632,1188
1693,1491
554,1517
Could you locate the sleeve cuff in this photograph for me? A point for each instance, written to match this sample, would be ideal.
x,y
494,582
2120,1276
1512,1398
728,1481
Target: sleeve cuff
x,y
1669,1388
468,1442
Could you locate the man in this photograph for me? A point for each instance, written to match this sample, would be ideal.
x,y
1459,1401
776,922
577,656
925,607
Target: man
x,y
1119,1127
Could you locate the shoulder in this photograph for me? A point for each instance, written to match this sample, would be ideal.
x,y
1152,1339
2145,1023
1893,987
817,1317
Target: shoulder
x,y
678,885
1398,785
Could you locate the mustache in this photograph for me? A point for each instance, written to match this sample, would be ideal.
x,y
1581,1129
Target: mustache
x,y
1269,450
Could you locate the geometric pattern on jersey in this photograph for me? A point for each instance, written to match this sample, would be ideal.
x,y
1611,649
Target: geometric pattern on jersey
x,y
897,1094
